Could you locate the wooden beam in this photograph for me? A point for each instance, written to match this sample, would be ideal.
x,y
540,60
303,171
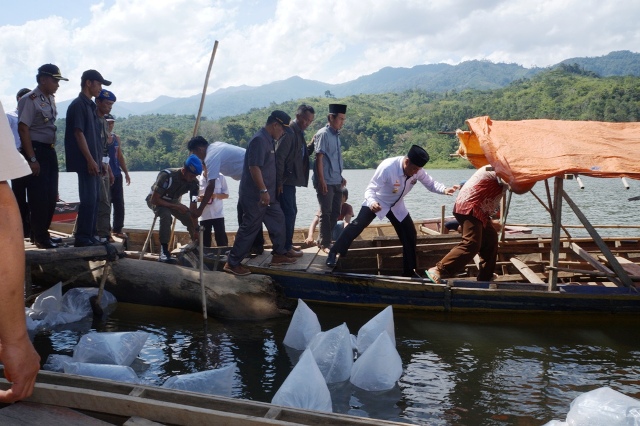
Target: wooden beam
x,y
556,219
525,271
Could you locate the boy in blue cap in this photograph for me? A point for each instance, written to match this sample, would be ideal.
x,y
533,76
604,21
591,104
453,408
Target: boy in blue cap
x,y
164,200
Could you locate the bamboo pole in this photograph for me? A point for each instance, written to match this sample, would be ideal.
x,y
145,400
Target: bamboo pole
x,y
203,294
204,90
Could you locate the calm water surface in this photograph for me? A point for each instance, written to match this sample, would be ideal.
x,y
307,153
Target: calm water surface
x,y
480,369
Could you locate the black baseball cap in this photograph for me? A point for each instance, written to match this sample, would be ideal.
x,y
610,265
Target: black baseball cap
x,y
95,76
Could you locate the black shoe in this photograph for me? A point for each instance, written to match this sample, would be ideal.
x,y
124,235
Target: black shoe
x,y
47,244
86,243
331,260
56,240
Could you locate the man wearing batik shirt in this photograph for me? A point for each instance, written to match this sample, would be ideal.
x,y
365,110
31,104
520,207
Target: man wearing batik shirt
x,y
477,202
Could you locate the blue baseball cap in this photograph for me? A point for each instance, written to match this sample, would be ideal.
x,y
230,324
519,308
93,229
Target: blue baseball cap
x,y
193,164
106,95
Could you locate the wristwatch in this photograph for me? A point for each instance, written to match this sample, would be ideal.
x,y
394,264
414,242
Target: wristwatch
x,y
33,159
264,191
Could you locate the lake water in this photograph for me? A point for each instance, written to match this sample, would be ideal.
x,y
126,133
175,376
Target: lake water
x,y
459,369
604,201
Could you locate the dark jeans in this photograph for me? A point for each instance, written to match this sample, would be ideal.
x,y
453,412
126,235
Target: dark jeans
x,y
290,210
476,239
219,231
19,188
330,204
42,191
89,192
117,201
254,215
258,243
406,231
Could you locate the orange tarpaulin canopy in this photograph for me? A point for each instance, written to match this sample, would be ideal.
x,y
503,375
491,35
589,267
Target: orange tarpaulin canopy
x,y
525,152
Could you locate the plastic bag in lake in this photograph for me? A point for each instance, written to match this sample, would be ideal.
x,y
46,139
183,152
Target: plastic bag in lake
x,y
372,329
110,348
213,382
119,373
304,325
333,353
78,300
304,387
603,406
379,367
56,362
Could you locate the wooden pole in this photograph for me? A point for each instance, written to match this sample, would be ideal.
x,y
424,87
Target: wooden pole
x,y
556,219
146,242
204,90
443,229
204,295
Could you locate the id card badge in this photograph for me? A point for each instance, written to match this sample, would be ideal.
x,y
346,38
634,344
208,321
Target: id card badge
x,y
105,160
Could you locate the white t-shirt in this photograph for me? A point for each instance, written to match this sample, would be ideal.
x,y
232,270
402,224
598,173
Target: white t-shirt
x,y
12,163
226,159
213,210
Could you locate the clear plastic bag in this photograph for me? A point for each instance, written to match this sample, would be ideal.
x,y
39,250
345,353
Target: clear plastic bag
x,y
604,406
110,348
305,387
303,327
369,332
213,382
119,373
379,367
333,353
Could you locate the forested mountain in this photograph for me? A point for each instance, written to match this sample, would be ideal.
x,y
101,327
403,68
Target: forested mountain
x,y
439,78
387,124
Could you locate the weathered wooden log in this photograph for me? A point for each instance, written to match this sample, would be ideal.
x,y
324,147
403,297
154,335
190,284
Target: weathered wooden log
x,y
252,297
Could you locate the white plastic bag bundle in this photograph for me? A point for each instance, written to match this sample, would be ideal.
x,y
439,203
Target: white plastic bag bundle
x,y
119,348
213,382
77,300
369,332
333,353
119,373
379,367
303,327
304,387
47,310
604,406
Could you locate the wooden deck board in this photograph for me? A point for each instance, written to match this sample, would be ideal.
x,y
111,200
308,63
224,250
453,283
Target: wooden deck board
x,y
30,413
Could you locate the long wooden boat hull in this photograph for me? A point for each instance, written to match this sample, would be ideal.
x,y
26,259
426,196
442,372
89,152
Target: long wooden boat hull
x,y
455,296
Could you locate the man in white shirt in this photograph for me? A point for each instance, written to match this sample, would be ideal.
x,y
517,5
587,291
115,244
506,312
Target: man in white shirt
x,y
19,185
384,196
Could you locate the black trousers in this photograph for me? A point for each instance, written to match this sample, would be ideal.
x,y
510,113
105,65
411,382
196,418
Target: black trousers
x,y
117,201
217,225
19,187
42,191
406,232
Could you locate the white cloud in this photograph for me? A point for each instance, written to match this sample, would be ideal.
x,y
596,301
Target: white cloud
x,y
163,48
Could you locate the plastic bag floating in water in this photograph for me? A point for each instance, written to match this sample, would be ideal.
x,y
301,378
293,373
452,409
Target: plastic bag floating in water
x,y
110,348
213,382
303,327
304,387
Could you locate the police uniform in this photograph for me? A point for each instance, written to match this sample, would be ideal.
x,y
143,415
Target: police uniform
x,y
38,112
171,187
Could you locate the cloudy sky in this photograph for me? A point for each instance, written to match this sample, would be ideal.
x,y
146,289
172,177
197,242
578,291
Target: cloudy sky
x,y
162,47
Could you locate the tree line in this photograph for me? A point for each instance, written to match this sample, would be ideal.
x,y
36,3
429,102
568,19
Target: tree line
x,y
384,125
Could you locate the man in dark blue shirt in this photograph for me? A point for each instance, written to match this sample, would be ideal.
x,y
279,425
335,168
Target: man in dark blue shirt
x,y
258,196
83,153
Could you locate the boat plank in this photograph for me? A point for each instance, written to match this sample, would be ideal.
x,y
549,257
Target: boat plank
x,y
30,413
525,271
139,421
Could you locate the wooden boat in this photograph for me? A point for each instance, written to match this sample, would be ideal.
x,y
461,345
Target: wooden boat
x,y
78,400
66,212
558,273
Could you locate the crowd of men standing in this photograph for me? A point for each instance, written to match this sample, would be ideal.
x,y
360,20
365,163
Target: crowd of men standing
x,y
91,150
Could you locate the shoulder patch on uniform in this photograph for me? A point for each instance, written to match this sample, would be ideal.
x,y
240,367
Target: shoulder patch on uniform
x,y
33,96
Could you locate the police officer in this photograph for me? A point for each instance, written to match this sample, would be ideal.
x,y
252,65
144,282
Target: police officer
x,y
37,115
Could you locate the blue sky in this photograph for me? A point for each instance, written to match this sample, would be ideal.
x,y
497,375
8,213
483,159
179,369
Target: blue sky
x,y
163,47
